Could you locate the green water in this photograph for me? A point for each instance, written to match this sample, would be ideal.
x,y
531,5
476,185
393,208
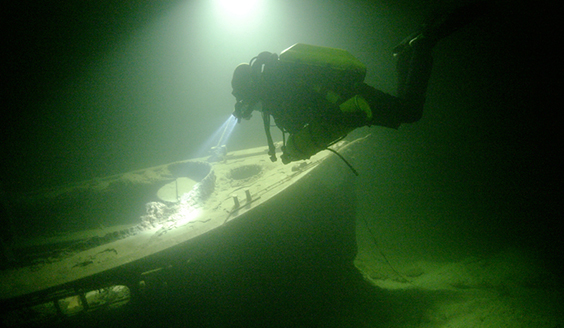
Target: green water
x,y
103,88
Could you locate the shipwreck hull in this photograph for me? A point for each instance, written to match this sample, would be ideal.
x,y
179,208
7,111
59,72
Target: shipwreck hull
x,y
254,244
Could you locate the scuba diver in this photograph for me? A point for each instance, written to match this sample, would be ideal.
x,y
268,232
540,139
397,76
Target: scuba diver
x,y
317,95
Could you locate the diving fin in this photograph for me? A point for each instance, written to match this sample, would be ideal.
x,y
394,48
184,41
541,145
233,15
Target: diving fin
x,y
444,24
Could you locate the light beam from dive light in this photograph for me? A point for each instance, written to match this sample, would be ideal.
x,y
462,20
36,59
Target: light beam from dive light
x,y
218,138
227,128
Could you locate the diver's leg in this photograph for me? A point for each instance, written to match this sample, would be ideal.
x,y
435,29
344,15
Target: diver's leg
x,y
414,71
387,110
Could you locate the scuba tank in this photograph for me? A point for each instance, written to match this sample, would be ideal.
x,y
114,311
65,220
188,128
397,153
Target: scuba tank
x,y
332,72
334,69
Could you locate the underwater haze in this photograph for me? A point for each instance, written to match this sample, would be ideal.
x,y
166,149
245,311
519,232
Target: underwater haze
x,y
97,88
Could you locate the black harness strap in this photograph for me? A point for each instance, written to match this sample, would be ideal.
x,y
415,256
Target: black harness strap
x,y
271,148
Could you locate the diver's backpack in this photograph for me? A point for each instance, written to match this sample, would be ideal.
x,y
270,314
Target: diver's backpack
x,y
329,68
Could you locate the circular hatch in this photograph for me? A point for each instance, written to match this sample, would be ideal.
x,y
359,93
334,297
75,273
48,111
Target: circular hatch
x,y
189,177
